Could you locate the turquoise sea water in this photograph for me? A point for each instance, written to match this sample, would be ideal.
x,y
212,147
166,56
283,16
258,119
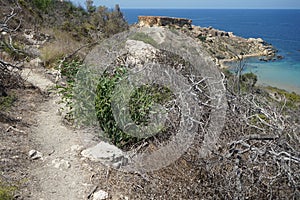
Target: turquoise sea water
x,y
281,28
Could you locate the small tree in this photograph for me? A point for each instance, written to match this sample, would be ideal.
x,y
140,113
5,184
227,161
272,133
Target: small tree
x,y
238,72
90,6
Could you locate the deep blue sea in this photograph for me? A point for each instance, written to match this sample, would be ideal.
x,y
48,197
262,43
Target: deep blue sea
x,y
281,28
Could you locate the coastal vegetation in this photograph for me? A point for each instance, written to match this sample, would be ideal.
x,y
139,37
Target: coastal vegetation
x,y
51,34
258,150
141,101
6,190
144,38
289,99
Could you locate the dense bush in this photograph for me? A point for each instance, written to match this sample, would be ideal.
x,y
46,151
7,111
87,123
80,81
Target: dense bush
x,y
246,84
249,79
92,23
140,105
43,5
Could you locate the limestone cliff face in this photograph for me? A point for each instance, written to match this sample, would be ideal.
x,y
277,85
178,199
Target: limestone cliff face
x,y
149,21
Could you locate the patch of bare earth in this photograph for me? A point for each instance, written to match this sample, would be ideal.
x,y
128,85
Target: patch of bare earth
x,y
14,141
57,172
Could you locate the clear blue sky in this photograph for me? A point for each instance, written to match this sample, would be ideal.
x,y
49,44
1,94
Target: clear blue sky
x,y
200,4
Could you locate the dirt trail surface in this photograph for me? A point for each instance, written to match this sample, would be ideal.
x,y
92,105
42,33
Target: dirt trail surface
x,y
57,171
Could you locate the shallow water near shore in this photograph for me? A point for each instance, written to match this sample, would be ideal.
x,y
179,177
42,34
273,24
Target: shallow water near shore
x,y
281,28
282,74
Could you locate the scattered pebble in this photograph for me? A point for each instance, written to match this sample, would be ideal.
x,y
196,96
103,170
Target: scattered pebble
x,y
61,164
76,148
124,197
100,195
35,155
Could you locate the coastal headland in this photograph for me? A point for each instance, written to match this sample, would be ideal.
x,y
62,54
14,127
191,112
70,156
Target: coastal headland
x,y
47,86
223,46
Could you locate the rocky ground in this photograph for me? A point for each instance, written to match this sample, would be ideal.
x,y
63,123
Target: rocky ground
x,y
56,171
15,142
225,46
44,157
221,45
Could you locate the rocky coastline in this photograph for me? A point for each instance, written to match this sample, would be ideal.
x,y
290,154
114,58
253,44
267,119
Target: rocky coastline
x,y
224,47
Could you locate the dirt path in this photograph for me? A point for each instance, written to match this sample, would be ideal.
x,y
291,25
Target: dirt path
x,y
60,174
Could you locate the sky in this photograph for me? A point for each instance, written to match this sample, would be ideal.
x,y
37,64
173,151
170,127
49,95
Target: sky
x,y
198,4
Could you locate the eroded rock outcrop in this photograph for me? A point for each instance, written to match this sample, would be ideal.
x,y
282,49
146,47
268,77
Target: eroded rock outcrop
x,y
149,21
225,46
221,45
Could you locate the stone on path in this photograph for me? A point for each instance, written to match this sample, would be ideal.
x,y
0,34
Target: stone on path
x,y
100,195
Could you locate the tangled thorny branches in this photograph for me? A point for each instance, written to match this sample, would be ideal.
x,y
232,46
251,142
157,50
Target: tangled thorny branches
x,y
262,157
257,154
258,157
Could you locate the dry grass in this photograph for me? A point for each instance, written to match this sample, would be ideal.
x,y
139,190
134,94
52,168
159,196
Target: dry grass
x,y
62,44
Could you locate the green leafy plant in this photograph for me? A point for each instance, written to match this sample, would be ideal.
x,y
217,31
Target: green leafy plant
x,y
6,102
68,69
139,105
247,81
43,5
80,106
143,99
202,38
14,50
104,112
6,192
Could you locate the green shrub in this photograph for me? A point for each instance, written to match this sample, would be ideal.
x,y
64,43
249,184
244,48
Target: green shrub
x,y
142,100
292,99
69,70
6,192
43,5
104,112
6,102
249,79
202,38
15,50
140,105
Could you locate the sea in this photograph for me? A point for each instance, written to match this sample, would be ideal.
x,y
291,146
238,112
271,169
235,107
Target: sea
x,y
281,28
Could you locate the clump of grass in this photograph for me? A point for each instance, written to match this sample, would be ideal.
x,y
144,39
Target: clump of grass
x,y
256,119
144,38
63,44
292,99
6,192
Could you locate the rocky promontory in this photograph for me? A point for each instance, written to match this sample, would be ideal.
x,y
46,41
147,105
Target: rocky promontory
x,y
221,45
164,21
